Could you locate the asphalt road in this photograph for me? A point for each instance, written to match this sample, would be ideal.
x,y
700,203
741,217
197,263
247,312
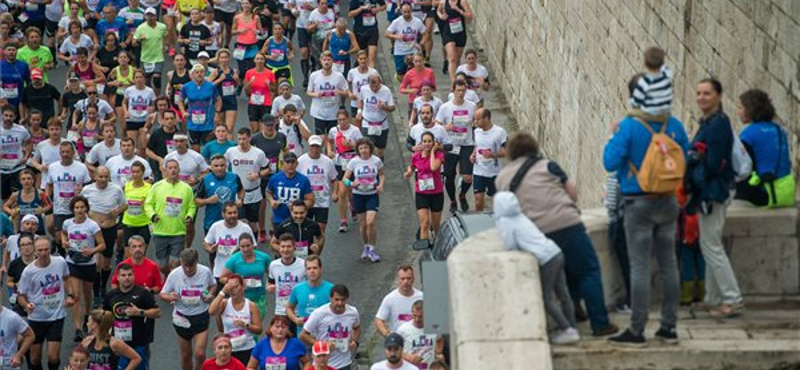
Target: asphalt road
x,y
368,282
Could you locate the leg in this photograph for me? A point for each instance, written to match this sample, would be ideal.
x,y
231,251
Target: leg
x,y
616,233
424,223
200,341
452,60
36,356
362,227
639,231
53,351
344,201
87,291
479,201
450,163
186,353
189,234
718,265
436,219
549,274
667,263
372,232
230,121
77,309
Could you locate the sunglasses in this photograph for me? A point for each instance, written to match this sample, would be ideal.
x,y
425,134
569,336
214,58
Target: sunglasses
x,y
91,93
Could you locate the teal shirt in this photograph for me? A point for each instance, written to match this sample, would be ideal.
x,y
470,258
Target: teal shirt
x,y
305,298
213,148
253,273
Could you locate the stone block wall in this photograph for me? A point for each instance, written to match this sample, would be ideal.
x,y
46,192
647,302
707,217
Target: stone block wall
x,y
564,64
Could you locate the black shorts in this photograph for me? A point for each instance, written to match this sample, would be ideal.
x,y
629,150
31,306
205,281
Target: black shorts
x,y
47,330
256,112
87,273
340,172
58,221
287,13
134,126
129,231
110,239
50,28
461,160
9,183
322,127
249,212
379,140
229,105
91,23
199,324
434,202
318,214
460,39
303,37
223,17
200,137
367,38
481,184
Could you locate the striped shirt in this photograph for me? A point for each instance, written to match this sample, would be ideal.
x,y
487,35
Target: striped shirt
x,y
653,93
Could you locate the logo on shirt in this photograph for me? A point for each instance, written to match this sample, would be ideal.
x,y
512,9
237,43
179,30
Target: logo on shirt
x,y
287,194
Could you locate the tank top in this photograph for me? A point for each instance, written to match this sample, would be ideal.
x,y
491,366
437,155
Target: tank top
x,y
86,75
339,43
125,80
101,359
177,82
35,140
250,27
275,48
89,136
241,340
227,89
455,21
27,208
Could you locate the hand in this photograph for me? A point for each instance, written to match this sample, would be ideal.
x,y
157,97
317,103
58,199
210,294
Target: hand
x,y
252,176
156,219
407,174
30,307
299,321
314,248
69,302
87,252
132,310
214,199
239,323
189,221
415,359
142,37
16,361
353,346
472,157
380,189
172,298
271,289
335,197
274,203
239,203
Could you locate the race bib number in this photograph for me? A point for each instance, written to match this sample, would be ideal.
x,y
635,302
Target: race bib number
x,y
366,184
177,98
23,18
277,55
456,26
180,321
13,298
173,207
425,182
275,363
226,250
101,88
273,165
301,249
199,117
228,88
319,192
239,52
328,98
66,191
10,90
135,207
252,283
149,67
345,158
139,111
51,300
257,98
123,330
485,156
238,339
340,341
368,19
191,297
374,128
338,66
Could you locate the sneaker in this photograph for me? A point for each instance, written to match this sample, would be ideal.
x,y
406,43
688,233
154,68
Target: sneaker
x,y
566,336
365,252
445,66
373,255
667,335
464,204
343,227
628,339
453,207
305,83
623,309
78,336
608,330
262,236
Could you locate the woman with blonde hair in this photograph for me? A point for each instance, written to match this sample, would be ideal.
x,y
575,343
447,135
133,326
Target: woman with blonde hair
x,y
102,347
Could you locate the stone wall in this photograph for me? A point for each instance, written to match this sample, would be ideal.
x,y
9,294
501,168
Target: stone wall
x,y
564,64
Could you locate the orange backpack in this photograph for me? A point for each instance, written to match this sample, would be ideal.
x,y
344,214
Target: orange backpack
x,y
664,164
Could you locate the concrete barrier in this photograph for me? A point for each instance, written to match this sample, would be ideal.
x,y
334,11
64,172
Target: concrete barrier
x,y
497,319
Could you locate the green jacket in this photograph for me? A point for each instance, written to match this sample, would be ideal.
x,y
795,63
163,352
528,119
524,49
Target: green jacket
x,y
173,203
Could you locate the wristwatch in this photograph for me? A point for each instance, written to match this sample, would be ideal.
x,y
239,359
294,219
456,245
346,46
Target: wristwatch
x,y
141,313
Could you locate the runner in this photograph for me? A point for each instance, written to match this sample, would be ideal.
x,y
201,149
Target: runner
x,y
104,349
324,87
426,167
224,12
227,82
14,144
47,151
190,289
168,205
151,36
294,128
308,295
241,321
82,240
104,150
12,328
251,265
279,350
222,355
301,9
473,69
405,31
395,308
259,85
120,165
25,252
112,23
145,270
393,345
28,201
192,165
194,36
338,323
176,78
68,51
245,27
119,79
273,144
86,134
358,77
375,101
285,98
285,187
420,349
162,142
138,104
215,28
414,81
427,124
251,166
323,175
365,25
457,116
490,147
306,233
454,15
279,52
14,74
342,147
135,311
320,21
104,110
284,274
215,192
220,145
368,176
222,238
321,351
198,102
64,180
44,291
108,203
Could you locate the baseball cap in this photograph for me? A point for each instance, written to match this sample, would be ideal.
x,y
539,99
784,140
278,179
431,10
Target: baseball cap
x,y
150,11
321,348
36,73
267,119
31,218
290,157
315,140
202,54
393,340
73,77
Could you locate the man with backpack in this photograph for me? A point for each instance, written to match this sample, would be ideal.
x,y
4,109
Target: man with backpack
x,y
649,159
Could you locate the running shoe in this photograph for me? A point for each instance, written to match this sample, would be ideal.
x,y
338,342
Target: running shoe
x,y
365,253
373,255
343,227
464,204
262,236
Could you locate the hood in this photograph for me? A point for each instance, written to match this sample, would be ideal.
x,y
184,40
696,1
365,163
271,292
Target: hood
x,y
506,204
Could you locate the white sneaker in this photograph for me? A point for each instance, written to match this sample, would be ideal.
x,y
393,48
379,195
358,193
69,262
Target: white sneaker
x,y
567,336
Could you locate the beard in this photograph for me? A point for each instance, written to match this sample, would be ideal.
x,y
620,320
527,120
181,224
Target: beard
x,y
394,360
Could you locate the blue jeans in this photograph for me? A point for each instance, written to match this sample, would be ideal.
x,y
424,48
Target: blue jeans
x,y
583,272
144,353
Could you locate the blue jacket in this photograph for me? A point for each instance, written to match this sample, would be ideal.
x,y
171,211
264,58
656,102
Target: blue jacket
x,y
630,144
762,140
712,177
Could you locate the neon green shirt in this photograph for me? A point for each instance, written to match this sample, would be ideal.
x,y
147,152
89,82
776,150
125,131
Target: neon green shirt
x,y
172,203
153,43
36,58
135,197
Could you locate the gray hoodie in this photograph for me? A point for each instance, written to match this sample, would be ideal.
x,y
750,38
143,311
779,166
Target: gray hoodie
x,y
519,232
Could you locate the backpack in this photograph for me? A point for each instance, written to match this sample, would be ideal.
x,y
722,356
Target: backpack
x,y
663,165
741,162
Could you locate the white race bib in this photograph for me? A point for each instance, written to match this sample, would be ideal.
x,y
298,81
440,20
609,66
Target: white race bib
x,y
239,52
51,301
456,26
173,207
180,321
425,182
123,330
135,207
257,98
228,88
252,283
368,19
338,66
149,67
198,117
191,297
